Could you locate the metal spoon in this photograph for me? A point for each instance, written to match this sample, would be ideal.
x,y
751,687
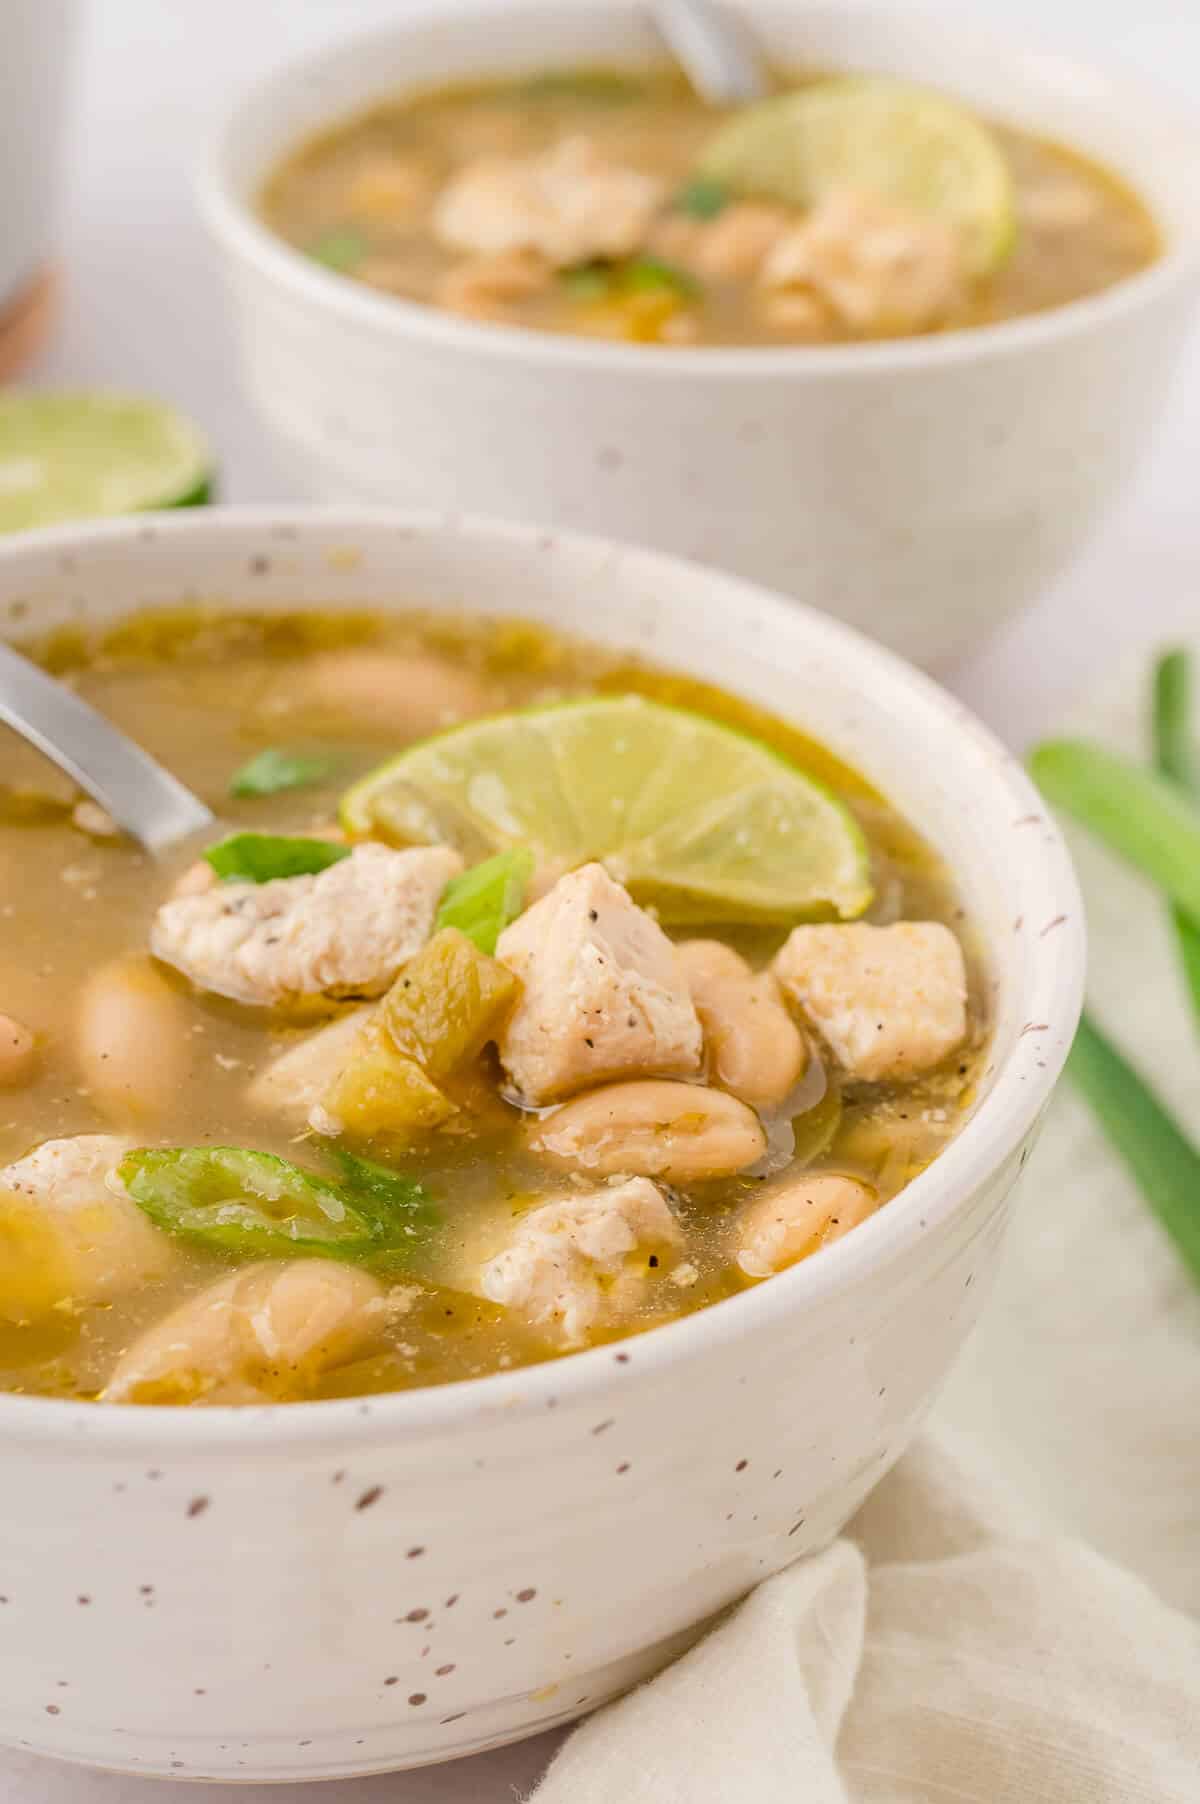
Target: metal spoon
x,y
142,797
716,52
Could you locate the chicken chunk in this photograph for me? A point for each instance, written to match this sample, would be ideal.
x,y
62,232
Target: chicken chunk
x,y
799,1217
604,995
80,1236
730,248
568,203
267,1331
343,932
878,267
581,1261
890,1002
297,1078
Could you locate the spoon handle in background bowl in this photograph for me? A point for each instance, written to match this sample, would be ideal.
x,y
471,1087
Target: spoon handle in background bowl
x,y
143,798
716,52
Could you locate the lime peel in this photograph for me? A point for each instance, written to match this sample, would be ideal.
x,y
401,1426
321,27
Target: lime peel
x,y
903,143
74,456
702,821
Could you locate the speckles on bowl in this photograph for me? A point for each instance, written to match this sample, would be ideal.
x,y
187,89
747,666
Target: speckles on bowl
x,y
602,1427
451,1601
623,1467
197,1506
414,1553
366,1498
83,1600
259,565
741,1465
621,1359
443,1672
497,1614
392,1679
418,1615
338,1477
527,1595
417,1698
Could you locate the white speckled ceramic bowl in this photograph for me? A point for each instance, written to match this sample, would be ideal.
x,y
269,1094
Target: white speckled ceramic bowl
x,y
921,490
341,1587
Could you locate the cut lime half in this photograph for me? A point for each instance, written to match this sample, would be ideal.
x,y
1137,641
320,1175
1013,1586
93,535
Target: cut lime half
x,y
701,821
905,144
77,456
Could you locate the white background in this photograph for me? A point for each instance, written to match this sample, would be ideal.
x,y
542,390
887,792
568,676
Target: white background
x,y
143,309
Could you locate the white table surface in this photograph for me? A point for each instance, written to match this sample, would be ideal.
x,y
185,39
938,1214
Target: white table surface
x,y
143,309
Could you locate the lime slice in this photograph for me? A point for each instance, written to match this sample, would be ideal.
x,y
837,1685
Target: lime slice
x,y
702,821
75,456
903,143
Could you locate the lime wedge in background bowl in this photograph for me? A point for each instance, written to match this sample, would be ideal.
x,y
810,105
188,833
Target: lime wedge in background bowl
x,y
79,456
701,821
905,144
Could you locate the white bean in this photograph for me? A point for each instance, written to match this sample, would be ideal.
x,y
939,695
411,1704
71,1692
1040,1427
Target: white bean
x,y
377,691
132,1040
267,1330
754,1047
18,1052
652,1128
786,1224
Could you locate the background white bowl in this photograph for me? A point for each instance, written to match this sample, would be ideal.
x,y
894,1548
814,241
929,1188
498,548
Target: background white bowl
x,y
240,1594
921,490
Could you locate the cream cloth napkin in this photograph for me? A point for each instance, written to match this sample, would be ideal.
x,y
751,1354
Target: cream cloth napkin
x,y
963,1643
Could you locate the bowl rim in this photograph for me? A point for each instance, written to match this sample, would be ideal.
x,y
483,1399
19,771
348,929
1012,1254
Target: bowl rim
x,y
1023,1081
232,220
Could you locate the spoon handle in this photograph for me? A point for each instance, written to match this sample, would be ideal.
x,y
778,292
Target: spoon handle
x,y
142,797
716,52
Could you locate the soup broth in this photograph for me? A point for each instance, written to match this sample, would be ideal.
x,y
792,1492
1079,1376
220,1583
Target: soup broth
x,y
143,1036
570,202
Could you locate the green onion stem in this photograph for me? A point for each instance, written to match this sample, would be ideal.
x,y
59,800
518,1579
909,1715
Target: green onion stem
x,y
1160,1157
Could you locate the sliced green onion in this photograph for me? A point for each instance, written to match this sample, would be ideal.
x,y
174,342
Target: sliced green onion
x,y
272,771
1162,1161
255,1205
1142,816
1175,756
702,198
341,250
589,281
397,1204
261,857
650,275
483,901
